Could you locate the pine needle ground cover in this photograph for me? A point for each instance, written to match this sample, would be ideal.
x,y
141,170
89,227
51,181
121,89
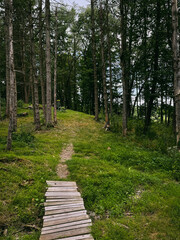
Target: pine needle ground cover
x,y
130,191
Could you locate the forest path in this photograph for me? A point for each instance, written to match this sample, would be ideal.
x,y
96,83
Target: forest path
x,y
62,169
65,214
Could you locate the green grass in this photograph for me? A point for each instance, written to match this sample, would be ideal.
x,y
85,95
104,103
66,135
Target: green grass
x,y
130,189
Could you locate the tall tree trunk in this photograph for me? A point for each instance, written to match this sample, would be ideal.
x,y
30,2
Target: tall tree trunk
x,y
9,7
125,81
26,100
94,62
176,66
7,57
104,69
155,70
74,75
34,76
15,104
55,70
48,66
109,58
41,60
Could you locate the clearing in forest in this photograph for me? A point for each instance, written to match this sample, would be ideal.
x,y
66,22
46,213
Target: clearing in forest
x,y
129,187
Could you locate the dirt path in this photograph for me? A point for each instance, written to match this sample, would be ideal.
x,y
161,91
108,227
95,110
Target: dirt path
x,y
62,170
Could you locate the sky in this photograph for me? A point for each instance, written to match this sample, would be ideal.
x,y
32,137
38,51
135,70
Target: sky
x,y
82,3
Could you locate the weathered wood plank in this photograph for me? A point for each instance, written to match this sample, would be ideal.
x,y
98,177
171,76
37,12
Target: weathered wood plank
x,y
66,228
68,224
63,199
61,183
63,206
62,215
82,237
64,210
57,203
68,219
62,194
69,233
56,198
65,214
62,189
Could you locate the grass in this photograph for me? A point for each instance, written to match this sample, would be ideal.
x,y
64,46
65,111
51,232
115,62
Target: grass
x,y
130,189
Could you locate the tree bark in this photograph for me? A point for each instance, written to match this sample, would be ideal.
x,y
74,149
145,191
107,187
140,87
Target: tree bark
x,y
48,66
7,57
9,7
34,76
41,60
176,67
109,58
94,62
55,70
125,81
155,70
104,69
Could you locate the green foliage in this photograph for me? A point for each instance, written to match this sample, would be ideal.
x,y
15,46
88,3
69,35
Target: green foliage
x,y
24,137
20,103
116,123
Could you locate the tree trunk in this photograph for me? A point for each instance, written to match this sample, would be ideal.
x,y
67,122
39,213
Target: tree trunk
x,y
34,77
109,58
94,62
15,104
48,66
41,60
176,66
9,7
55,70
104,69
26,100
155,70
125,81
74,75
7,57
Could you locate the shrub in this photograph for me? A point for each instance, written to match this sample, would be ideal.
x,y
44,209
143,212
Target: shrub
x,y
20,103
24,137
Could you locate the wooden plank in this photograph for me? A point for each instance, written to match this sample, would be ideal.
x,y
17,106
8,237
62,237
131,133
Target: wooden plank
x,y
62,234
66,228
56,198
61,183
66,224
63,206
62,189
62,194
64,210
62,215
64,199
82,237
67,219
57,203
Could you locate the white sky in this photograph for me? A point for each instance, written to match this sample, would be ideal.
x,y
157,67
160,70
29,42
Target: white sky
x,y
82,3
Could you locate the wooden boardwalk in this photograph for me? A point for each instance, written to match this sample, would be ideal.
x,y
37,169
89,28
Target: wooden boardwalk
x,y
65,216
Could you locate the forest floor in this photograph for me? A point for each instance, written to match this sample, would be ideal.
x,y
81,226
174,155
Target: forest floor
x,y
129,190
